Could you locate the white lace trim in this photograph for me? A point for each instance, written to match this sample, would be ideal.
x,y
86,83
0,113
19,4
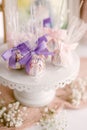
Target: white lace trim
x,y
30,88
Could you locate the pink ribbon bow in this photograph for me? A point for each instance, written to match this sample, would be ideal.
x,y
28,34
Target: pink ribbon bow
x,y
54,34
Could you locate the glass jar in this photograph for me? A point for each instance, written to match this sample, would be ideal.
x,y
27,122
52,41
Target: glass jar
x,y
23,16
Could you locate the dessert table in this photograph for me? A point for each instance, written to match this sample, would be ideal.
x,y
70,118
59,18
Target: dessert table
x,y
77,119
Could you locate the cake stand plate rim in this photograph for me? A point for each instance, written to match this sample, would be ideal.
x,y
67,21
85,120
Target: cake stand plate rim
x,y
42,85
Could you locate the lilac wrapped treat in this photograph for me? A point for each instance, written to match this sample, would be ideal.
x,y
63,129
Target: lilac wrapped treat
x,y
32,59
15,54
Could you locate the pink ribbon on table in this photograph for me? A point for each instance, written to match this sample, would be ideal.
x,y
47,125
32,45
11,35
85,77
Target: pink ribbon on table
x,y
65,52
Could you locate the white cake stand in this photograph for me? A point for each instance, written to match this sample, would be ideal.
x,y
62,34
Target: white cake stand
x,y
37,91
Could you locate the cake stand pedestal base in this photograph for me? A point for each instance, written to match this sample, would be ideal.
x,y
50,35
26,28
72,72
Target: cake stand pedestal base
x,y
35,99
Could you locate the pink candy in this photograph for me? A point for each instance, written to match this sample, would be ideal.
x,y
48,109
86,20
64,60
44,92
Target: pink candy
x,y
37,65
63,54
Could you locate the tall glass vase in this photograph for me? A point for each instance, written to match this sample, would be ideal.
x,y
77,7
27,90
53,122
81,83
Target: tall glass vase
x,y
59,12
22,15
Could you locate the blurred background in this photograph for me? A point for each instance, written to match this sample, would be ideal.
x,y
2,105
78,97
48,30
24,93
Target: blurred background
x,y
1,25
73,7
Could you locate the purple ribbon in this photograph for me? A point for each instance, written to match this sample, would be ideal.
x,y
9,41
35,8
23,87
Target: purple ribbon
x,y
47,22
40,49
26,52
10,55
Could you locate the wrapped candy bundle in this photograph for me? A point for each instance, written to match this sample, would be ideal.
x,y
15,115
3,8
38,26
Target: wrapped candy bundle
x,y
63,54
24,56
37,65
34,61
15,54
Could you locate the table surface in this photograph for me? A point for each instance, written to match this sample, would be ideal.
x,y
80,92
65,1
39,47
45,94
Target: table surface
x,y
77,119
